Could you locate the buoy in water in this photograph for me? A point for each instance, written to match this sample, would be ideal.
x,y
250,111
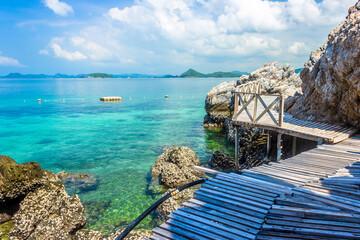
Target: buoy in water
x,y
39,100
166,96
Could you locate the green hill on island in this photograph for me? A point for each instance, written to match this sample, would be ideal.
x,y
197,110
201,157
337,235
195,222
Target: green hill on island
x,y
100,75
195,74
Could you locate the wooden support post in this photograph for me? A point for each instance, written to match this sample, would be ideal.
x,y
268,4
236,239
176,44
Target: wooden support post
x,y
279,147
293,152
236,103
237,167
255,107
281,111
320,141
268,145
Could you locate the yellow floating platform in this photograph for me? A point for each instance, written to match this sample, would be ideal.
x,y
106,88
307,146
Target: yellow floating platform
x,y
111,99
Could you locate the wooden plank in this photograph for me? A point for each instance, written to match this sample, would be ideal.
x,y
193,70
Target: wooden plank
x,y
251,220
245,194
311,226
169,235
206,170
329,233
257,183
255,206
239,185
209,226
318,212
188,231
274,235
230,205
245,231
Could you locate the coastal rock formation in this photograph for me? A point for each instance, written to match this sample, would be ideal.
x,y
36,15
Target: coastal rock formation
x,y
35,205
173,203
219,104
221,161
78,182
175,167
18,180
48,213
331,77
277,79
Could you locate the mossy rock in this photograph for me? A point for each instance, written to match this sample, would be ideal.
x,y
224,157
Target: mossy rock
x,y
5,229
17,180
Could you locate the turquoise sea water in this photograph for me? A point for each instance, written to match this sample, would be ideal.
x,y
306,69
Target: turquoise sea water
x,y
117,141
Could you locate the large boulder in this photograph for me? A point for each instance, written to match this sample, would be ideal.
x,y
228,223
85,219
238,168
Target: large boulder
x,y
18,180
331,77
175,167
48,213
219,104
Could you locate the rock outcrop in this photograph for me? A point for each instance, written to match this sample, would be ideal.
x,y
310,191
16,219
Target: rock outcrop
x,y
219,103
35,205
331,77
175,167
221,161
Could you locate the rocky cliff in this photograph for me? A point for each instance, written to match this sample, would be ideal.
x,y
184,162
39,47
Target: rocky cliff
x,y
331,77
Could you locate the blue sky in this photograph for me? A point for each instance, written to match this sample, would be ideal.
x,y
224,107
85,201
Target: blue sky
x,y
161,36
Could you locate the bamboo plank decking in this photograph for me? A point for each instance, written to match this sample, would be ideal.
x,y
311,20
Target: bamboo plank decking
x,y
314,195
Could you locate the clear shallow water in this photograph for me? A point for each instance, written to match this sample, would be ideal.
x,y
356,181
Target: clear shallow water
x,y
118,142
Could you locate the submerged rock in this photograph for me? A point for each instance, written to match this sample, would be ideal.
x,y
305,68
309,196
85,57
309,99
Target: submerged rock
x,y
174,167
221,161
331,77
78,182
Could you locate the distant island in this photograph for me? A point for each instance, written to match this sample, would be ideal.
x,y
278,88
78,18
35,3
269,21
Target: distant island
x,y
191,73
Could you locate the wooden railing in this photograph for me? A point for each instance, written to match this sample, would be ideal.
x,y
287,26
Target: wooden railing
x,y
249,93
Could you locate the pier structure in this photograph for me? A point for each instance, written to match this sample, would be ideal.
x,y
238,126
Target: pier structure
x,y
312,195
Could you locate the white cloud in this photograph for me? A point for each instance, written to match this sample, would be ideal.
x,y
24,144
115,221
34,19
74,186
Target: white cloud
x,y
94,51
9,62
71,56
298,47
44,52
60,8
167,34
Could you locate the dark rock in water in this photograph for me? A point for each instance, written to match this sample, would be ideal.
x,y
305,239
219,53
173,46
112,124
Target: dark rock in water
x,y
222,161
331,77
175,167
78,182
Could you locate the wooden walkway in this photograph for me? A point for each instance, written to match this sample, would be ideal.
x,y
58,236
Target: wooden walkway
x,y
314,195
254,108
